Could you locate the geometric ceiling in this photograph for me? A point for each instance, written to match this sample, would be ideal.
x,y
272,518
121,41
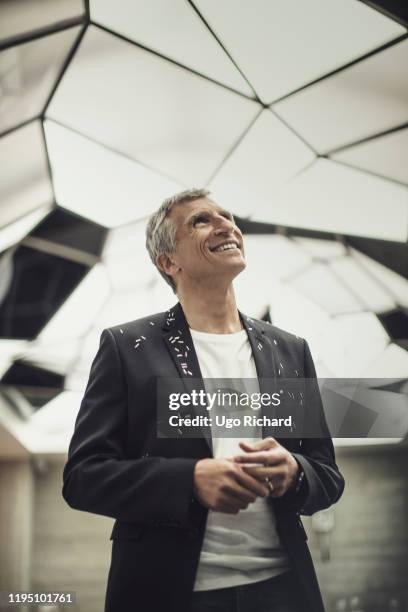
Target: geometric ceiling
x,y
298,127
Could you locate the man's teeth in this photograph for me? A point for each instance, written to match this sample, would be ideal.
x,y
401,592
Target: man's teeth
x,y
225,247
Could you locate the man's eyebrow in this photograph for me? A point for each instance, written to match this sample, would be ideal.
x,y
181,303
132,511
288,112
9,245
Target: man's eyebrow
x,y
205,211
226,213
196,214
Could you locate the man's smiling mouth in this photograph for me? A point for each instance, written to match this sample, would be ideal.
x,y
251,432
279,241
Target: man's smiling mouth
x,y
230,245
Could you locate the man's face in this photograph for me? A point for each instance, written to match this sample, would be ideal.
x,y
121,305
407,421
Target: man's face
x,y
209,244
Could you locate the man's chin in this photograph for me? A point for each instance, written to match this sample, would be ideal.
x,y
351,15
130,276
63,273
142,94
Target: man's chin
x,y
235,268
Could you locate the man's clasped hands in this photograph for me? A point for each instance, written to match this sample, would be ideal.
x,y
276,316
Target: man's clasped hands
x,y
229,485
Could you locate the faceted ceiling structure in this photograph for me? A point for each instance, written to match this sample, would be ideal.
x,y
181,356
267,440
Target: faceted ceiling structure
x,y
294,114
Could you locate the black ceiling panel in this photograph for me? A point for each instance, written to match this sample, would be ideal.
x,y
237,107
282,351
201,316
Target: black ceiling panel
x,y
248,226
68,229
37,385
395,323
39,284
393,255
395,9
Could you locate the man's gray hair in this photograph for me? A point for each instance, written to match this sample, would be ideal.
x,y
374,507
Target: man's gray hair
x,y
161,230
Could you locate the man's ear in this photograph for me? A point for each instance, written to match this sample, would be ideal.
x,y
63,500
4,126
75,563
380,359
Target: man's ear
x,y
166,264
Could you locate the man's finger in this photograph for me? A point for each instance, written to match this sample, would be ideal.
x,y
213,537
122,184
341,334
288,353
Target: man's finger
x,y
264,472
269,457
258,446
248,448
241,493
252,484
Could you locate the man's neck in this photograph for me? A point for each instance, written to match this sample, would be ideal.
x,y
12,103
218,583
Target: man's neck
x,y
212,311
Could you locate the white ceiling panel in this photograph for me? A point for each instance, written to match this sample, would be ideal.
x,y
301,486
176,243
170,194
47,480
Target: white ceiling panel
x,y
253,298
77,377
392,363
322,249
285,258
14,232
10,350
368,98
28,73
332,197
71,319
50,429
396,285
25,183
128,191
126,259
262,36
122,307
172,29
159,114
351,343
293,311
268,156
126,240
368,290
131,272
320,286
58,415
57,356
386,156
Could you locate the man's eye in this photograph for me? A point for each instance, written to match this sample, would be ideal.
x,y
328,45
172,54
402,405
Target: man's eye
x,y
200,219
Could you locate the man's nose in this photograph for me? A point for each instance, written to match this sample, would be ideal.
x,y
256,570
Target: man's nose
x,y
224,225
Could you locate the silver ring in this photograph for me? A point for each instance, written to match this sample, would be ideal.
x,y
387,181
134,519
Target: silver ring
x,y
269,484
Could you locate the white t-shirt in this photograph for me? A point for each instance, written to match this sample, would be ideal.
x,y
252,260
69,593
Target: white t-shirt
x,y
242,548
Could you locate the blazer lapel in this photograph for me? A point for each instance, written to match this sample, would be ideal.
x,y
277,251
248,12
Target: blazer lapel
x,y
263,353
180,345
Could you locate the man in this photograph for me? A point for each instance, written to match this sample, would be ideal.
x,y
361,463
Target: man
x,y
201,523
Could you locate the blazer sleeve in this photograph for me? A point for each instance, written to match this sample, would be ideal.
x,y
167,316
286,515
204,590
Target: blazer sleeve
x,y
323,484
98,477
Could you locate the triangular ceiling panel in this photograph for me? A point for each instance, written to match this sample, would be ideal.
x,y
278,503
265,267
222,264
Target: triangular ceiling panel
x,y
25,181
174,30
368,290
128,192
331,197
385,156
395,284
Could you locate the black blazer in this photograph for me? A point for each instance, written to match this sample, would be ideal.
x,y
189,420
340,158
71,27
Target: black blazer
x,y
117,466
